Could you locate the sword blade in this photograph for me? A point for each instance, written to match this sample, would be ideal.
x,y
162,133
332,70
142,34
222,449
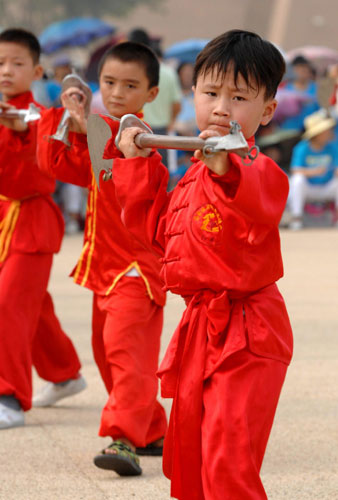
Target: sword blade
x,y
98,133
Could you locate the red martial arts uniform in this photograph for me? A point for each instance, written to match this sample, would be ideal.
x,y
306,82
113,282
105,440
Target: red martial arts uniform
x,y
227,360
31,229
127,310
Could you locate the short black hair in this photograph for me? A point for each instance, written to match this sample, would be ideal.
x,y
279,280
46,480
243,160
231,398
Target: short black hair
x,y
138,53
139,35
257,60
300,60
24,38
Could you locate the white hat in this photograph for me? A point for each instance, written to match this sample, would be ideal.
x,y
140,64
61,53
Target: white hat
x,y
317,122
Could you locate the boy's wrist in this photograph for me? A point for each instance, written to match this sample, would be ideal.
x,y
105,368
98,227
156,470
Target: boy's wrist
x,y
78,126
219,163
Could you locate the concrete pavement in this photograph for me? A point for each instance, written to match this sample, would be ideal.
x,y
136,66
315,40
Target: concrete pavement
x,y
51,457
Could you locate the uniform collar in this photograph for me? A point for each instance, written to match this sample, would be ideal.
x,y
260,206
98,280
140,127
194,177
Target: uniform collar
x,y
21,101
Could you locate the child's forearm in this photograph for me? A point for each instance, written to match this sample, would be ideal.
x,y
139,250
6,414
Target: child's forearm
x,y
141,190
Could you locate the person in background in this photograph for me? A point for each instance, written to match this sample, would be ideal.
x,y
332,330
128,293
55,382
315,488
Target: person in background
x,y
62,66
333,74
185,123
314,166
161,113
304,83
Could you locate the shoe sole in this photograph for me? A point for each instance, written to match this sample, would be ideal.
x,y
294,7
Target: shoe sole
x,y
11,426
150,451
121,465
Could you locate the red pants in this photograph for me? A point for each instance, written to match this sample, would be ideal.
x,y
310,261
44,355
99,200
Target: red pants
x,y
30,333
239,404
127,327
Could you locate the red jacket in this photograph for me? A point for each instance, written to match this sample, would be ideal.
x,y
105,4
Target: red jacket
x,y
221,251
109,249
29,219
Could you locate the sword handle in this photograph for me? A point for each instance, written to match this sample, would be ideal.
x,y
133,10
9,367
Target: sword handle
x,y
11,114
144,140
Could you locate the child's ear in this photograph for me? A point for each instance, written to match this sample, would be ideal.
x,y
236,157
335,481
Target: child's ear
x,y
153,91
38,72
269,111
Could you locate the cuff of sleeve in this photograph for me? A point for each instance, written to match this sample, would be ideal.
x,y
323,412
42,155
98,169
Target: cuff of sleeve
x,y
78,139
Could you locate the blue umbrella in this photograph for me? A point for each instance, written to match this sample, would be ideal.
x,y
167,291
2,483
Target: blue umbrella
x,y
187,50
75,32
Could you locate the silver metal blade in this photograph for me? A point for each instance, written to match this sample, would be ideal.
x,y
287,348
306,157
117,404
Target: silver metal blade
x,y
27,115
98,133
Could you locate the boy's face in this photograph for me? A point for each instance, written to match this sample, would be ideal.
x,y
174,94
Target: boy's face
x,y
302,72
219,101
124,87
17,70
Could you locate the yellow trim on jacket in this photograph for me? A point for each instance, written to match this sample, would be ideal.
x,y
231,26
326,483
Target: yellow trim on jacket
x,y
91,233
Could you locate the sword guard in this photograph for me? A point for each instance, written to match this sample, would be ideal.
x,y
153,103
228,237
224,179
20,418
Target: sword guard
x,y
128,121
251,156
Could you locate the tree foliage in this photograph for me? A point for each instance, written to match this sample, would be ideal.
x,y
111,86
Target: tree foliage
x,y
37,14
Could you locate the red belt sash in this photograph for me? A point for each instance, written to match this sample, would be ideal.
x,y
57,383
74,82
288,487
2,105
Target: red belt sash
x,y
192,356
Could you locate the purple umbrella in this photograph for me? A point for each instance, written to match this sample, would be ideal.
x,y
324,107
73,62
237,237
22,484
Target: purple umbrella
x,y
289,103
78,31
320,57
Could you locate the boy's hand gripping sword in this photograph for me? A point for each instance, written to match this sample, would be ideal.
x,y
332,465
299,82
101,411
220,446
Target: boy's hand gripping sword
x,y
99,132
71,80
26,115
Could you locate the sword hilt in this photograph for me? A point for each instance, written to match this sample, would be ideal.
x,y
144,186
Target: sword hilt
x,y
71,80
144,140
232,142
26,115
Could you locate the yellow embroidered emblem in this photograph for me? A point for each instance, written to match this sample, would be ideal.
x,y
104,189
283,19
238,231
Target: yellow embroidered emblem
x,y
207,225
209,218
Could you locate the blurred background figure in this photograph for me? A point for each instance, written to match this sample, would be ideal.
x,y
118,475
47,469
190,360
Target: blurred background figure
x,y
162,112
185,123
72,201
314,168
333,74
62,66
303,85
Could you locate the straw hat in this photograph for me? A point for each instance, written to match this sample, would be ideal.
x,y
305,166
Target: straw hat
x,y
317,123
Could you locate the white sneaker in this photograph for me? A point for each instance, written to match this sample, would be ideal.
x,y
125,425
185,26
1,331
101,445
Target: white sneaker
x,y
295,225
10,418
51,393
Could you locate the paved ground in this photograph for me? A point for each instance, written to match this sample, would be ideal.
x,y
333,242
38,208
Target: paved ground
x,y
51,458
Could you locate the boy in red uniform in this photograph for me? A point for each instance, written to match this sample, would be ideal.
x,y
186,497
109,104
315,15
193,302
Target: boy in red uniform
x,y
218,233
128,297
31,229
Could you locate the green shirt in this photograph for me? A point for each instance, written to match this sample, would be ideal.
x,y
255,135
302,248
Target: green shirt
x,y
159,112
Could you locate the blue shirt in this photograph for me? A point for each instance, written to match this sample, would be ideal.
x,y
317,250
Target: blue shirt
x,y
305,156
309,107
